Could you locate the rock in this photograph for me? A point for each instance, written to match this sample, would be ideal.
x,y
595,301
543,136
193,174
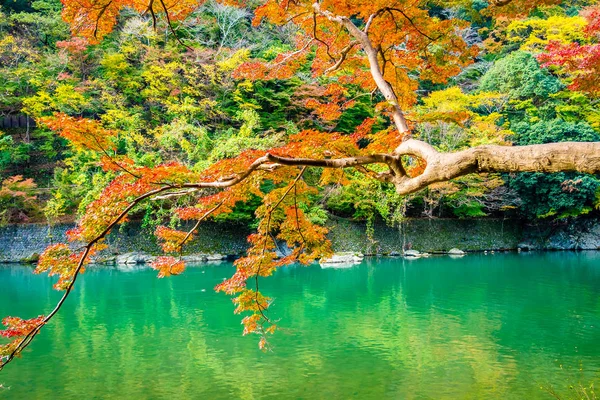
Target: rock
x,y
133,258
456,252
346,258
590,239
426,255
109,260
282,250
215,257
31,259
412,254
194,258
526,246
395,254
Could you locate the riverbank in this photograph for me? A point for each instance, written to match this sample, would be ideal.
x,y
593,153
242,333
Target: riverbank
x,y
133,244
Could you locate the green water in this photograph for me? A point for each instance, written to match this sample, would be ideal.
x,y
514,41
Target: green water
x,y
479,327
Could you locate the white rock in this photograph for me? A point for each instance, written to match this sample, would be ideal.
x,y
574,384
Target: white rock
x,y
412,254
215,257
133,258
194,258
456,252
108,260
525,246
347,258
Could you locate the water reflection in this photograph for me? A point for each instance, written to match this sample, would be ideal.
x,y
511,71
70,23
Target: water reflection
x,y
476,327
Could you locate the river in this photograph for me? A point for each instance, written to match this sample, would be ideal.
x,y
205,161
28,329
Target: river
x,y
505,326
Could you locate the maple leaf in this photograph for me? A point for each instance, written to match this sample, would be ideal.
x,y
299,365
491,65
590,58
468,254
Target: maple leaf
x,y
85,134
172,240
167,266
16,326
19,330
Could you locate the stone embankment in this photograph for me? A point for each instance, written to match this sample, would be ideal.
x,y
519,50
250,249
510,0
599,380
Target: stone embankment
x,y
129,245
132,244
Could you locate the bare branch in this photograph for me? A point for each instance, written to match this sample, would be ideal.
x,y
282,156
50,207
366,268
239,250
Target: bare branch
x,y
175,194
371,19
409,19
340,61
170,24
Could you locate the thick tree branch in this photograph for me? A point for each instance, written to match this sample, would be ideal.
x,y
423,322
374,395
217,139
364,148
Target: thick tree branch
x,y
333,163
363,38
552,157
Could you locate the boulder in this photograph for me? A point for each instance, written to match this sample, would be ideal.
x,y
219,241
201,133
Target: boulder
x,y
346,258
412,254
282,250
108,260
456,252
133,258
194,258
590,239
526,246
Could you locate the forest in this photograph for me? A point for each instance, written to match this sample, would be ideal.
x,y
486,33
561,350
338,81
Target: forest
x,y
281,114
180,96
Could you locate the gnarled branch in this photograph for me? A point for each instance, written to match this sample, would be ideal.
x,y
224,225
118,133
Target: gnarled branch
x,y
552,157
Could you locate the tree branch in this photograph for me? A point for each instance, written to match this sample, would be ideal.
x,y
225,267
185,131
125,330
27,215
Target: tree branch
x,y
552,157
384,87
343,55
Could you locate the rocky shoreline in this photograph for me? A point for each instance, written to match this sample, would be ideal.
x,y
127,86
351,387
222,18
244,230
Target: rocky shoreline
x,y
136,257
133,244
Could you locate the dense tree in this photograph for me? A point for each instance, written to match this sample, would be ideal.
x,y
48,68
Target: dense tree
x,y
348,48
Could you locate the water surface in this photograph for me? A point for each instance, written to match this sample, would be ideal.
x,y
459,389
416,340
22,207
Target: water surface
x,y
496,326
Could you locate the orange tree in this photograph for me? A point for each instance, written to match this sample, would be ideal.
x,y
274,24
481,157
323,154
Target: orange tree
x,y
384,46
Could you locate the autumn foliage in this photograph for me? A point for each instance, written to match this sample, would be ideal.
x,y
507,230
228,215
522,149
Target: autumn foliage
x,y
580,61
